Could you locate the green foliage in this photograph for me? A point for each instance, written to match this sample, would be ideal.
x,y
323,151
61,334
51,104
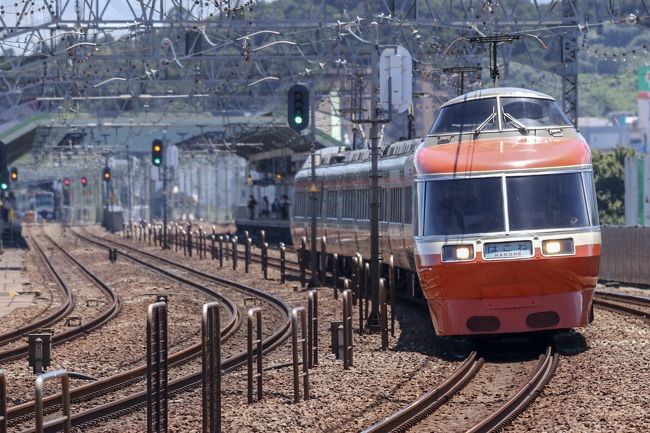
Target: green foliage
x,y
609,175
602,94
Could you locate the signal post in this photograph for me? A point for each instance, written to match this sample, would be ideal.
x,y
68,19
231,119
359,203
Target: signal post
x,y
298,119
157,153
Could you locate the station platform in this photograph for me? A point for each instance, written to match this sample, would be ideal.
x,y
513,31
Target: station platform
x,y
277,230
15,287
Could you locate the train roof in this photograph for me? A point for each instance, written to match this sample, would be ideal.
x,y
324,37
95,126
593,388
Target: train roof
x,y
498,91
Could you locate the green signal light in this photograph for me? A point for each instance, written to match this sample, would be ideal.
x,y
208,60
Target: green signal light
x,y
4,186
156,161
297,120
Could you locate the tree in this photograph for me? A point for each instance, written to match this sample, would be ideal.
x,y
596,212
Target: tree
x,y
609,176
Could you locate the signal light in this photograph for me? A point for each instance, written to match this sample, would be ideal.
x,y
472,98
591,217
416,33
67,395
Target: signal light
x,y
4,185
84,181
298,107
157,152
66,181
14,174
106,176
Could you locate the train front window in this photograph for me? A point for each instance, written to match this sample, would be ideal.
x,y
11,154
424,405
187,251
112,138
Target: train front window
x,y
44,200
552,201
463,206
467,117
532,113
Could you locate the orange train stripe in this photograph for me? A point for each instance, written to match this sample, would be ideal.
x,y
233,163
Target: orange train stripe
x,y
511,153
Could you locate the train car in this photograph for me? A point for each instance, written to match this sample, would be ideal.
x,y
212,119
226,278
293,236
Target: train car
x,y
494,210
42,202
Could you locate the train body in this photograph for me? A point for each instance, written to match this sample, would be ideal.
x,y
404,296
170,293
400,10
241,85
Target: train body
x,y
494,210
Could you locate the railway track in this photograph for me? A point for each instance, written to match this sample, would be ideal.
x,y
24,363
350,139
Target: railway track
x,y
20,414
620,303
425,406
66,307
291,265
111,311
137,401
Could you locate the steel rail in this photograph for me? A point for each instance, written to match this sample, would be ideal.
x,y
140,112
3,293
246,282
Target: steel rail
x,y
92,390
137,401
113,309
168,262
426,404
524,397
608,301
66,307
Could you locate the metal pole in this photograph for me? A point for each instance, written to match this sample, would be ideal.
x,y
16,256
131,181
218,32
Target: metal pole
x,y
247,254
383,314
211,368
312,329
313,198
283,263
3,402
347,330
265,260
298,324
323,259
373,319
254,345
165,245
335,275
392,288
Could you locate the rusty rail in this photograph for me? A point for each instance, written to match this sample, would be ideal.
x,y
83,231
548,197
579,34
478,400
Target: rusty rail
x,y
524,397
425,405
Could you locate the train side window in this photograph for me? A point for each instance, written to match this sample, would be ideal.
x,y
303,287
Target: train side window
x,y
331,204
397,205
366,204
408,202
590,193
346,203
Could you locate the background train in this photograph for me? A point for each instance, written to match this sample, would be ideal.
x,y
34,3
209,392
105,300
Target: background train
x,y
494,210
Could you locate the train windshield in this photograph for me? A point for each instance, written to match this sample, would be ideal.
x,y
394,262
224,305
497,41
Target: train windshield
x,y
546,202
532,113
467,117
461,206
43,200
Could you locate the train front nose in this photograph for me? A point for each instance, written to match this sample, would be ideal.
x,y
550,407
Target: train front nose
x,y
508,296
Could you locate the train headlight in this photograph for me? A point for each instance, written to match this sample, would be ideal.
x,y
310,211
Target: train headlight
x,y
457,253
553,247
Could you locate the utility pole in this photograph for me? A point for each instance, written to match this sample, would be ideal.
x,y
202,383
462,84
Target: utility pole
x,y
313,200
373,318
130,184
375,202
313,197
461,71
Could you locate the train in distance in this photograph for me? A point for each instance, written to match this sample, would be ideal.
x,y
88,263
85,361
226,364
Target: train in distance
x,y
494,212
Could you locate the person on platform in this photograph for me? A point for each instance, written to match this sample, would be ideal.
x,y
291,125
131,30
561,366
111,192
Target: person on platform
x,y
284,207
252,204
275,208
265,207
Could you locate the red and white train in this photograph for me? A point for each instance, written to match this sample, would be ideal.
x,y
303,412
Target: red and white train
x,y
495,210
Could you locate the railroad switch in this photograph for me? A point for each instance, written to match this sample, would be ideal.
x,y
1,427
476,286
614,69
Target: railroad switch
x,y
40,351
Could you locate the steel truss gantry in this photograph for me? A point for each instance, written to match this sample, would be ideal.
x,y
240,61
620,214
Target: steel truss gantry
x,y
184,55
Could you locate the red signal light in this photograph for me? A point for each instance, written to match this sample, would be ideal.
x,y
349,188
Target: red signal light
x,y
66,181
84,181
